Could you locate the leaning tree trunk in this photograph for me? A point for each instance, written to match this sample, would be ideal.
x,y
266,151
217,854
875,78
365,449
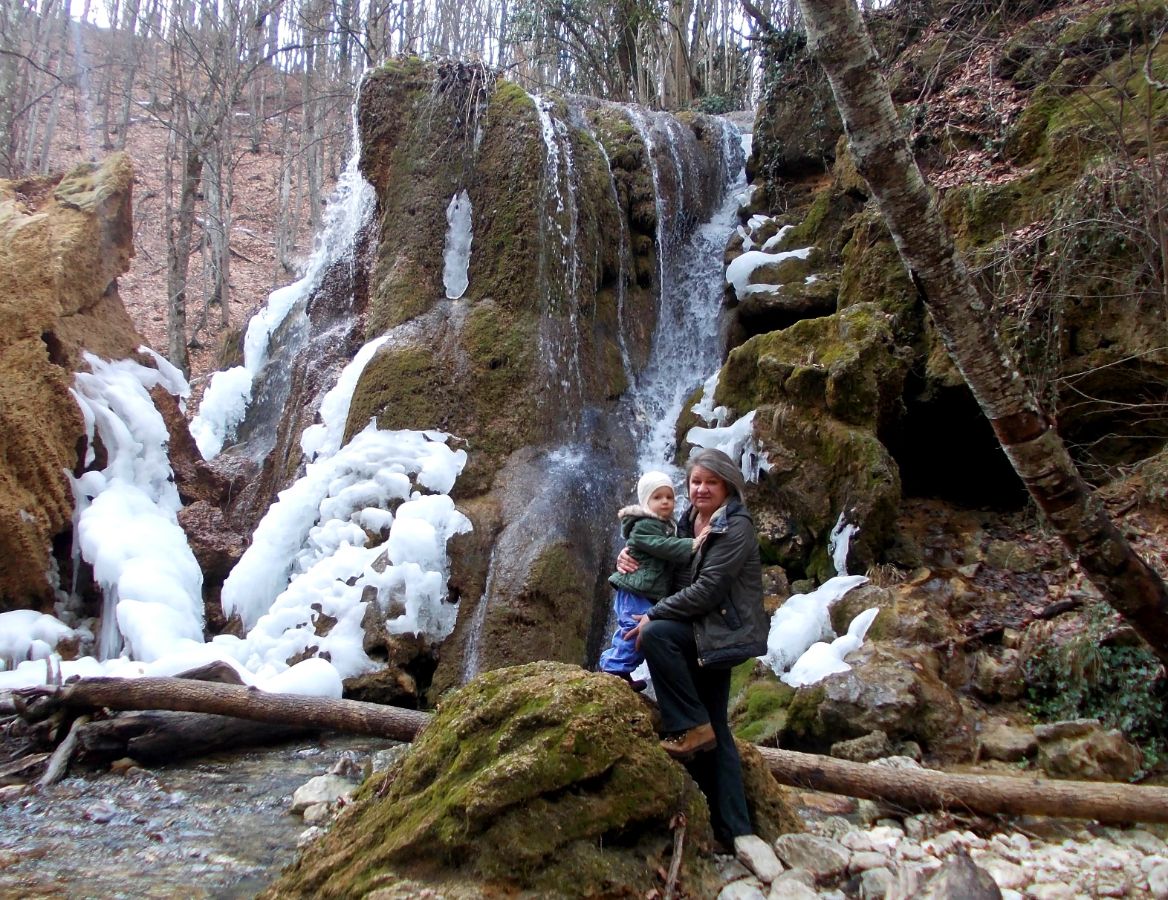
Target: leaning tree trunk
x,y
839,41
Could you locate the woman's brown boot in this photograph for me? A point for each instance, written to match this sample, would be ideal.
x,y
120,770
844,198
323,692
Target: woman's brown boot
x,y
696,740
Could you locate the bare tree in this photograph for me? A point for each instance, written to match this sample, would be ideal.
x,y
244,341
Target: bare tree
x,y
840,42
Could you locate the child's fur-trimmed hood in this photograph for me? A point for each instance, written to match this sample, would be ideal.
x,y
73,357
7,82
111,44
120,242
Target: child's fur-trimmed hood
x,y
639,512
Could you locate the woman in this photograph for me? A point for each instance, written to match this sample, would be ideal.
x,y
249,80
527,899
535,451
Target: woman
x,y
712,621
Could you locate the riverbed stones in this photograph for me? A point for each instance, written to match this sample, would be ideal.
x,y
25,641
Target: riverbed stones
x,y
822,857
758,856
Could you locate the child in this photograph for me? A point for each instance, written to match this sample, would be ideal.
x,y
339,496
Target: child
x,y
650,535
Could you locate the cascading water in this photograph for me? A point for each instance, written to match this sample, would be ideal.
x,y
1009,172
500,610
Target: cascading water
x,y
685,341
559,265
588,473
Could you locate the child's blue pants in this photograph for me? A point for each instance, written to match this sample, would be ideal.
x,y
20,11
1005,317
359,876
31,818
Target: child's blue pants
x,y
622,656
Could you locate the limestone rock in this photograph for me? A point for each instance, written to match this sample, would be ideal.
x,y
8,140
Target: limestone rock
x,y
822,857
998,676
323,789
743,889
875,884
520,778
890,690
1083,749
960,879
792,890
758,856
866,748
63,243
1008,743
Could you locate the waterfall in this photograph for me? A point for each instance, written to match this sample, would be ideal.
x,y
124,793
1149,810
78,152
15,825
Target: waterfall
x,y
685,349
559,265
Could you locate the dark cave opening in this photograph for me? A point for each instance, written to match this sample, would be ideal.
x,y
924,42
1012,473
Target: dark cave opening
x,y
946,449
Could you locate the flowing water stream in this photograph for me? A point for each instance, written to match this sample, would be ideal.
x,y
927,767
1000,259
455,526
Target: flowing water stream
x,y
218,827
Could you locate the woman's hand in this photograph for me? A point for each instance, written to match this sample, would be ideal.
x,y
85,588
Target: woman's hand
x,y
625,563
634,633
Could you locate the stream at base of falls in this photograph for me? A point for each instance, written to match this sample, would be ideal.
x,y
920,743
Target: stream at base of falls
x,y
216,827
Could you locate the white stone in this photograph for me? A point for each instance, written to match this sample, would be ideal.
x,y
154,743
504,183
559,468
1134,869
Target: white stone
x,y
822,857
1109,884
1143,841
793,876
317,814
744,889
943,844
865,860
792,890
884,838
321,789
858,841
1050,891
1158,880
1005,874
307,836
757,855
909,850
1150,862
1020,842
875,884
1013,895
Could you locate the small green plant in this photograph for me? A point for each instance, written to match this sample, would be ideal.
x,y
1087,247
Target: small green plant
x,y
1122,686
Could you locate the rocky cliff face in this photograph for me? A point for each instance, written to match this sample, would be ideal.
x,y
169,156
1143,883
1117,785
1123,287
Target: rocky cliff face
x,y
1044,145
63,243
576,207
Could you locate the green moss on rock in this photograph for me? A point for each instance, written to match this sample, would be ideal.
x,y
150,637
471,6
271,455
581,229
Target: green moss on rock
x,y
541,780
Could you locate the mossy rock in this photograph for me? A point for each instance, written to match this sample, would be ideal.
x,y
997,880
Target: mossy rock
x,y
758,703
547,616
847,365
819,468
872,272
1088,36
537,781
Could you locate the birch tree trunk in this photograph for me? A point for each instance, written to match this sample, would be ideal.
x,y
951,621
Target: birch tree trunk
x,y
839,41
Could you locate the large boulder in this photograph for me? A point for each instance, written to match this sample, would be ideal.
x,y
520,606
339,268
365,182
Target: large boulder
x,y
540,778
889,689
63,243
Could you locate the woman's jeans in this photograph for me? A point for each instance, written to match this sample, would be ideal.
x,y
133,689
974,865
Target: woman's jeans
x,y
691,695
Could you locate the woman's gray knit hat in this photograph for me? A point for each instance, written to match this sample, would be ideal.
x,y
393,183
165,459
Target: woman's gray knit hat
x,y
721,465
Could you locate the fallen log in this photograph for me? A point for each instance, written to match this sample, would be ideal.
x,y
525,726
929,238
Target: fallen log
x,y
238,701
158,736
917,790
924,790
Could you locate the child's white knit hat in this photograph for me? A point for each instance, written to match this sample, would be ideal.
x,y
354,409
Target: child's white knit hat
x,y
649,482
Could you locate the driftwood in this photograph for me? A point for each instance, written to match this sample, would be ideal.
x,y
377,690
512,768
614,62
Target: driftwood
x,y
911,789
59,762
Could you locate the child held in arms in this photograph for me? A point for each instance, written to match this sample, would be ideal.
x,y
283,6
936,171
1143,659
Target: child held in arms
x,y
651,536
